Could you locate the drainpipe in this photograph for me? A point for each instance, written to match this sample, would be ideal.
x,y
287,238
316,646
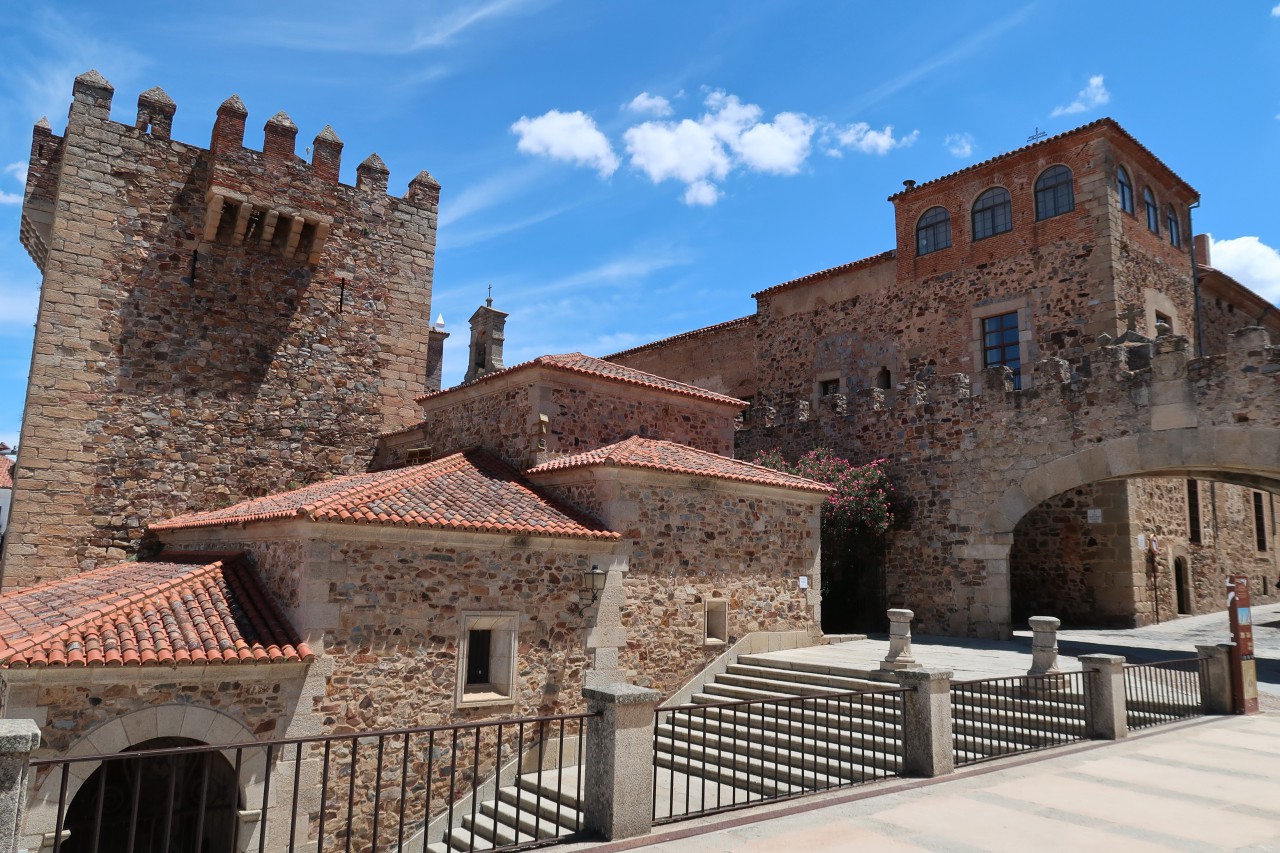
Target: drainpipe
x,y
1195,281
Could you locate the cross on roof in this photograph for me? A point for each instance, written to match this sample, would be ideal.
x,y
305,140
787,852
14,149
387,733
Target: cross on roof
x,y
489,299
1130,317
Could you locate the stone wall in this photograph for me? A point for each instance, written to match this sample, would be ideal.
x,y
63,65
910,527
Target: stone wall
x,y
184,358
720,358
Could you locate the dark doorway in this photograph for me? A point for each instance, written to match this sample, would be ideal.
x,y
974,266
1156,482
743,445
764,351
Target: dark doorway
x,y
1182,582
853,584
182,803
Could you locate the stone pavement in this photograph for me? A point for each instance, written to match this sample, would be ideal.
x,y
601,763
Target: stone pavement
x,y
1208,785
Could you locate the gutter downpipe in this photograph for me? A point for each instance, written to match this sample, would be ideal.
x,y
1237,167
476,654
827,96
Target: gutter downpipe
x,y
1195,282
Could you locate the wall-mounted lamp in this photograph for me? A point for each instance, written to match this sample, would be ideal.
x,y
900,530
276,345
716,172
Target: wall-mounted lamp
x,y
593,581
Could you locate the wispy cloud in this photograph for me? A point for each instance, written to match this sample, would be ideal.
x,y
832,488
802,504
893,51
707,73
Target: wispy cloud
x,y
628,269
490,192
959,144
931,66
1275,11
460,240
865,139
1250,261
18,170
646,104
1094,94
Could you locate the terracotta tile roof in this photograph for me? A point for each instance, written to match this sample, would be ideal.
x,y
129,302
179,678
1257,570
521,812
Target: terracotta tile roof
x,y
748,320
576,362
653,454
821,274
1102,122
470,491
6,472
179,610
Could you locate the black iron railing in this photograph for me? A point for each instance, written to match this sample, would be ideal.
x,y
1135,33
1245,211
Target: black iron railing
x,y
725,755
993,717
499,785
1163,691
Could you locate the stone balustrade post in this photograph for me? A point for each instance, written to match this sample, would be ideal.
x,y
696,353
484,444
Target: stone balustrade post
x,y
17,740
618,790
899,656
1104,696
1215,679
1044,645
927,745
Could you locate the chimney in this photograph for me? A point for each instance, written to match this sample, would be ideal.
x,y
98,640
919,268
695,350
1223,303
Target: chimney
x,y
1200,243
910,185
487,337
435,355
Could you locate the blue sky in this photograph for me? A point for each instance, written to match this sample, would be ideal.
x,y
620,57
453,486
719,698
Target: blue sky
x,y
622,172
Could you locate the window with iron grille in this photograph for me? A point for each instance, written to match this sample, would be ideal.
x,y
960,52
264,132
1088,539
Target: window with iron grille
x,y
1125,188
1000,346
992,213
827,387
1055,194
933,231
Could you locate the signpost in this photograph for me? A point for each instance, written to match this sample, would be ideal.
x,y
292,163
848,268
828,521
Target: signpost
x,y
1244,669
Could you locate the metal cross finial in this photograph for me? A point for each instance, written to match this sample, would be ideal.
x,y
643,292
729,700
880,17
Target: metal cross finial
x,y
1130,317
489,299
1037,136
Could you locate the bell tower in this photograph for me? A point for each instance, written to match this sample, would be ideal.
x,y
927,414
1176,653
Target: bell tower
x,y
487,337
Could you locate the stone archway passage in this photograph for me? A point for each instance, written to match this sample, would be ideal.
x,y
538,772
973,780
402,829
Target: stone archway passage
x,y
184,803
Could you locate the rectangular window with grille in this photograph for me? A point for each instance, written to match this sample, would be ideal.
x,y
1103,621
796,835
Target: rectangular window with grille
x,y
1000,345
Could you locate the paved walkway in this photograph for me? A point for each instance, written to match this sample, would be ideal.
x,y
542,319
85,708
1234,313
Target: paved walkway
x,y
1209,785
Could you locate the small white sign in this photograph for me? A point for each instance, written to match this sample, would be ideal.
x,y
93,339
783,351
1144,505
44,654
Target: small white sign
x,y
1142,541
804,581
1095,516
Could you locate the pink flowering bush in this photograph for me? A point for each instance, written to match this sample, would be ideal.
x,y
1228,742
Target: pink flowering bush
x,y
863,501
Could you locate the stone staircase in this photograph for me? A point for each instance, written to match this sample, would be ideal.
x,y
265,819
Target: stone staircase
x,y
798,739
534,808
1007,716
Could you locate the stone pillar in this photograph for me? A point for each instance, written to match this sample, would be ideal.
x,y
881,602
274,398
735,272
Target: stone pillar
x,y
1215,679
618,791
927,746
899,656
1104,696
17,739
1044,645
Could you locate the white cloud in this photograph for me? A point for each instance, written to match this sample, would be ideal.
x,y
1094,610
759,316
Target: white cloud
x,y
860,136
10,198
1093,95
1275,11
701,194
959,144
572,137
687,151
18,170
1251,262
779,147
646,104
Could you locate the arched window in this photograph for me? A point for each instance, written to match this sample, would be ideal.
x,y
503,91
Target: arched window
x,y
1125,188
1153,212
933,231
1054,194
1171,224
884,381
992,213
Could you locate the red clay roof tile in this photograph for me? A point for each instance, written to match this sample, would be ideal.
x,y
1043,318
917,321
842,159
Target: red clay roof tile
x,y
167,612
827,273
657,455
6,472
471,490
576,362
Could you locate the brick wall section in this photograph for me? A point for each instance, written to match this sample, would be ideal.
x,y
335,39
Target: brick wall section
x,y
153,394
692,540
582,413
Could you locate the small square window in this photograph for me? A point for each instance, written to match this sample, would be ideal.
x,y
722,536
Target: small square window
x,y
827,387
487,659
1001,345
717,621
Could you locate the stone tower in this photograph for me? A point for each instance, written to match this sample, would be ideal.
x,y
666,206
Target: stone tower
x,y
487,337
214,323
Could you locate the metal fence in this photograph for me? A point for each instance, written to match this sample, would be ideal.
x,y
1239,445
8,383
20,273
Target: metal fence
x,y
994,717
725,755
1164,691
499,785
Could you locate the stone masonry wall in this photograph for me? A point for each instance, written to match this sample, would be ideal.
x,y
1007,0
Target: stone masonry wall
x,y
720,358
174,373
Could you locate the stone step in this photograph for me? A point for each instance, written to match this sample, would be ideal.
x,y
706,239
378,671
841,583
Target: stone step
x,y
1070,706
842,670
552,787
530,822
557,807
825,681
796,719
758,771
752,787
785,754
991,740
493,832
769,703
789,734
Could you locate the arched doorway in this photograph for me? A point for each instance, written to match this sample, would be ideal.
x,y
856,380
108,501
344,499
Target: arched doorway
x,y
184,803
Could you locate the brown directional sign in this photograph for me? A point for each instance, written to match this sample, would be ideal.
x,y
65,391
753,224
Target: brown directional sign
x,y
1244,669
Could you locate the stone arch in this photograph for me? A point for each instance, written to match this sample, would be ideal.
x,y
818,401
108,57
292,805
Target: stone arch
x,y
193,722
